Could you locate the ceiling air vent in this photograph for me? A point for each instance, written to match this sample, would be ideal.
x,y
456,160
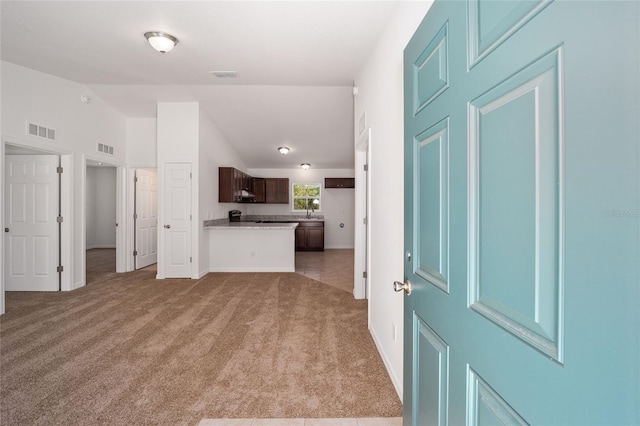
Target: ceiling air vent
x,y
105,149
41,131
225,74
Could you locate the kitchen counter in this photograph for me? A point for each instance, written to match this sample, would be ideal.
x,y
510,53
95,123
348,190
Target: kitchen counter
x,y
262,221
247,246
252,225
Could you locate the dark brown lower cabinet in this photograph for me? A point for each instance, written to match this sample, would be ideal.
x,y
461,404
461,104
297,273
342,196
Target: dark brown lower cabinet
x,y
310,236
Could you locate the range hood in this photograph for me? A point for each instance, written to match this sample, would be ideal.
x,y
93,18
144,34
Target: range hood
x,y
246,194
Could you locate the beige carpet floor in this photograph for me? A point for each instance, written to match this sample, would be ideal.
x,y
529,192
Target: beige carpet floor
x,y
135,350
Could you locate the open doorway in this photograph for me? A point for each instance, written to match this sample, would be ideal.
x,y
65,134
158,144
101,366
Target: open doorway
x,y
101,221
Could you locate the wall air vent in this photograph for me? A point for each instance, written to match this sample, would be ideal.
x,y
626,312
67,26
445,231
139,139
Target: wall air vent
x,y
40,131
225,74
105,149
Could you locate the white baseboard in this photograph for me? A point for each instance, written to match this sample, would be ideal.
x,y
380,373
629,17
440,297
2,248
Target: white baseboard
x,y
200,275
394,379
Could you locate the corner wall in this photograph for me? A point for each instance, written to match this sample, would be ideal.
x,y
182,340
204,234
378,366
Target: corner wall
x,y
383,104
213,151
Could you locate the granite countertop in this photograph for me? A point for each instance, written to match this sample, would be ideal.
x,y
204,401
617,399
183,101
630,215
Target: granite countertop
x,y
248,225
284,218
263,222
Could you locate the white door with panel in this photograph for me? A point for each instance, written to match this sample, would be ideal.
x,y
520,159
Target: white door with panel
x,y
177,220
146,218
31,229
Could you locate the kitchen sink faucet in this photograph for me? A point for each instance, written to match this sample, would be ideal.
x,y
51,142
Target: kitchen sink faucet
x,y
315,202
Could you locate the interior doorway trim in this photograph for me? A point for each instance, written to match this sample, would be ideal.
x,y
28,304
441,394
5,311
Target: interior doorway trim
x,y
66,207
362,238
121,217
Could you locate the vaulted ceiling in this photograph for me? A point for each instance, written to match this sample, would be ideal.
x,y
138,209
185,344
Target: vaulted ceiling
x,y
296,60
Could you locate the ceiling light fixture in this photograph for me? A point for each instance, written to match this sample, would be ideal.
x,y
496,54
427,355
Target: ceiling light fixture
x,y
161,41
284,150
305,166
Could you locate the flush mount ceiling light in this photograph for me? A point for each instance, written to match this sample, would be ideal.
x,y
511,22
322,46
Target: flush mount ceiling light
x,y
161,41
284,150
305,166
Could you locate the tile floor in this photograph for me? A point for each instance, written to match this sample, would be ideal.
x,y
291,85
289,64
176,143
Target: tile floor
x,y
371,421
333,267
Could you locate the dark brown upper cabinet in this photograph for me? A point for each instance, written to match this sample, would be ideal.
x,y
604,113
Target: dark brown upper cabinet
x,y
339,183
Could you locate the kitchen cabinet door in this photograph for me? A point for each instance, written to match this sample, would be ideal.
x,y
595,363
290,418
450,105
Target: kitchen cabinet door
x,y
259,190
310,236
339,183
277,190
226,184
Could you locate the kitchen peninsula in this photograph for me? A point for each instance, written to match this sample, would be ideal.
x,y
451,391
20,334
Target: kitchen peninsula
x,y
255,244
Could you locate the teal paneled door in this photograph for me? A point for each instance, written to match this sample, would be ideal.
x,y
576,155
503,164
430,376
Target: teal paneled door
x,y
522,214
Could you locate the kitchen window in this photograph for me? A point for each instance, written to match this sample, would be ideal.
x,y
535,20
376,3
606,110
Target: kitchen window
x,y
306,197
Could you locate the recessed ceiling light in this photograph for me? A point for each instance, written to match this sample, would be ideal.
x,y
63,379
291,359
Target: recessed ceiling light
x,y
284,150
225,74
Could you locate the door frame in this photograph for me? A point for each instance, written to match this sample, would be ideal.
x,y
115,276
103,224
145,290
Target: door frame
x,y
121,216
66,208
362,252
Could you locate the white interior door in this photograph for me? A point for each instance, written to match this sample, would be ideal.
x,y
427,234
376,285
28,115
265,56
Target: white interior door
x,y
146,217
31,209
177,220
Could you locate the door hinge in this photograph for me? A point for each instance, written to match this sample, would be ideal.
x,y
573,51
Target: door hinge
x,y
190,259
59,219
190,217
366,167
135,178
135,215
59,169
364,221
135,252
364,274
190,175
60,268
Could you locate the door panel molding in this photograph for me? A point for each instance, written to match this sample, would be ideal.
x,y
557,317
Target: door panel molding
x,y
485,406
431,368
515,153
431,195
431,71
485,37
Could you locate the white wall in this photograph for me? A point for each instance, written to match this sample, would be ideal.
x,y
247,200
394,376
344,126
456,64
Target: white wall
x,y
337,204
101,210
214,151
56,103
141,142
380,94
178,142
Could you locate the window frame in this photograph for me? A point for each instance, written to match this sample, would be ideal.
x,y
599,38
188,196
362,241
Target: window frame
x,y
307,197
